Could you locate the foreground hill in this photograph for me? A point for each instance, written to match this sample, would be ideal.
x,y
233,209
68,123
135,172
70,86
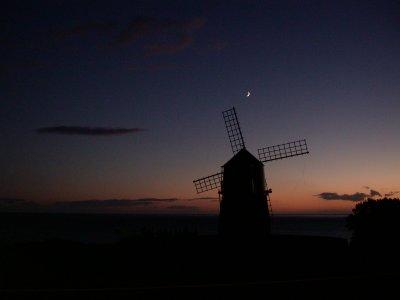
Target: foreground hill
x,y
185,265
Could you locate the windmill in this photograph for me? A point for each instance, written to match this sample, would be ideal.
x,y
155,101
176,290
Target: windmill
x,y
245,209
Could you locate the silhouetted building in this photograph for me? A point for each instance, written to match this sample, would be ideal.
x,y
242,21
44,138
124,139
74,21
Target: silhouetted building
x,y
244,207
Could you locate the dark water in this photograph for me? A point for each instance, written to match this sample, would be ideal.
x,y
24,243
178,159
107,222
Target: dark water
x,y
104,228
316,225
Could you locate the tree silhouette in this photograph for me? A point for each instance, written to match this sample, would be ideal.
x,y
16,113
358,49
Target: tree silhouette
x,y
375,224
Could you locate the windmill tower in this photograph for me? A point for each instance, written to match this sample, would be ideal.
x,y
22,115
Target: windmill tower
x,y
245,208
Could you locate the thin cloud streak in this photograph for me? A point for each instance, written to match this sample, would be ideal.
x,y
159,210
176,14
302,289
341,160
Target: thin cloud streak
x,y
93,205
182,207
11,201
154,36
145,26
203,198
170,48
16,204
137,28
139,205
169,36
80,130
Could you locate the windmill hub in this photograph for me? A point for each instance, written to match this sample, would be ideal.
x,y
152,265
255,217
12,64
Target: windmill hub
x,y
245,209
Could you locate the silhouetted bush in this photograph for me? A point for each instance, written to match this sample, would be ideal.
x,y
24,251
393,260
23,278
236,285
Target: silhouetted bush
x,y
375,224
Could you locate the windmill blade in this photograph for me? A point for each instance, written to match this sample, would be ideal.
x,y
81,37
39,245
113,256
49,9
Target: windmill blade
x,y
283,151
208,183
233,129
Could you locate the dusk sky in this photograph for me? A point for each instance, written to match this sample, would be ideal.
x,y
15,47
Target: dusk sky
x,y
103,100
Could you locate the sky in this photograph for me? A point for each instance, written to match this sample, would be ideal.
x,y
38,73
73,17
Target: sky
x,y
116,106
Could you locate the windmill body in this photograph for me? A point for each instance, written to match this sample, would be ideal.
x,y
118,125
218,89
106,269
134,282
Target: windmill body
x,y
245,209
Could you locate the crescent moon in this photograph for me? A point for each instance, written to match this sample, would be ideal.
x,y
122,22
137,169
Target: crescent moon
x,y
248,94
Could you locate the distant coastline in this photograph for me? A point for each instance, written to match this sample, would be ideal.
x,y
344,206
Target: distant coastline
x,y
106,228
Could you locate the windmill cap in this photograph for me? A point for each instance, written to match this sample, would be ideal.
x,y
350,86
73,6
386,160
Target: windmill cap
x,y
243,157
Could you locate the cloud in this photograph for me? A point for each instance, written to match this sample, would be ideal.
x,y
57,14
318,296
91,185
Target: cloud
x,y
16,204
84,29
374,193
390,194
182,207
145,26
139,205
79,130
11,201
169,35
347,197
137,28
203,198
154,36
111,203
160,200
180,44
359,196
94,205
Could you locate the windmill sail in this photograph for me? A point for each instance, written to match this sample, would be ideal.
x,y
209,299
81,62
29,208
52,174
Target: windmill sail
x,y
283,151
208,183
233,129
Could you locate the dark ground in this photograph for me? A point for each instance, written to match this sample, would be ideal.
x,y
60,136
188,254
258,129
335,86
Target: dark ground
x,y
199,267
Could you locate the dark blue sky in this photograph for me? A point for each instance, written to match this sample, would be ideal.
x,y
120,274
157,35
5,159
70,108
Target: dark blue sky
x,y
327,71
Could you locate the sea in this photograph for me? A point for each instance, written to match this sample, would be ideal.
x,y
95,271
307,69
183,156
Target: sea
x,y
109,228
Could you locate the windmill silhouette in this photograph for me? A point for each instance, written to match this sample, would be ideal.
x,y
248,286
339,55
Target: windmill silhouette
x,y
245,208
